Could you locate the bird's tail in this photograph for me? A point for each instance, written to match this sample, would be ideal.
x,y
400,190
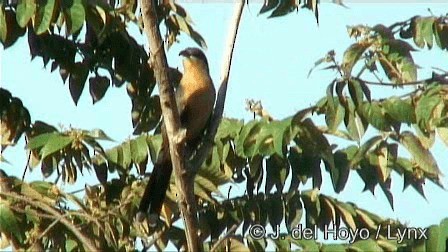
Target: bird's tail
x,y
155,191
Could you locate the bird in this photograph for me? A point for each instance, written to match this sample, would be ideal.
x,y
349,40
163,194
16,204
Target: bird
x,y
195,98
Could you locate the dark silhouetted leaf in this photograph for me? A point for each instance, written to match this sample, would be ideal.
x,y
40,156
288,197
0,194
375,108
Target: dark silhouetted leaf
x,y
440,30
294,211
101,172
77,81
283,8
268,5
98,86
12,29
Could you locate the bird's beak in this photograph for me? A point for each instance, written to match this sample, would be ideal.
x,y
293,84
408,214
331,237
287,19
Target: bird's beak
x,y
185,53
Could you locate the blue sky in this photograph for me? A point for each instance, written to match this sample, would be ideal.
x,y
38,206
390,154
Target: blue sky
x,y
271,62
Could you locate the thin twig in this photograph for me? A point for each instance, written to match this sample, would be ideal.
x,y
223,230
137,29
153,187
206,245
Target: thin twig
x,y
27,161
87,243
202,153
439,78
224,237
51,226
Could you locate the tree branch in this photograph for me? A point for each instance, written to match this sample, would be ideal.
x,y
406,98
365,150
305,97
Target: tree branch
x,y
185,181
224,237
184,184
442,79
203,152
87,243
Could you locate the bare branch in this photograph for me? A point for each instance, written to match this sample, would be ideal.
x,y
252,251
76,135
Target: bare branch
x,y
224,237
184,183
221,98
87,243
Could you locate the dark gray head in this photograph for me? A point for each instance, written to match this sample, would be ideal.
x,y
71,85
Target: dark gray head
x,y
194,52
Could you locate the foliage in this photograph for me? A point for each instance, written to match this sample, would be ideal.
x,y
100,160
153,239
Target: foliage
x,y
89,39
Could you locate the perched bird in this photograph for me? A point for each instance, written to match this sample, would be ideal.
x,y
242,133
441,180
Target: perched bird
x,y
195,97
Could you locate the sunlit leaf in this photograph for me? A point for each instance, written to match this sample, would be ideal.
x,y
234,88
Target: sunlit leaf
x,y
25,10
55,143
422,31
352,55
44,15
9,223
421,155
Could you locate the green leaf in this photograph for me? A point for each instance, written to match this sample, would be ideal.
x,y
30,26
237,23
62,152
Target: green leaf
x,y
382,158
245,143
367,146
99,135
40,140
429,106
356,127
71,245
270,138
399,110
126,153
420,154
139,149
188,29
44,16
311,201
55,143
3,24
443,134
374,114
229,128
312,139
397,62
352,55
366,245
309,245
331,104
332,248
25,10
333,120
9,223
75,15
422,31
256,244
282,244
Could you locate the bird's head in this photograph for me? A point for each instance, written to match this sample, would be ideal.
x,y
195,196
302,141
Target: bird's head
x,y
194,57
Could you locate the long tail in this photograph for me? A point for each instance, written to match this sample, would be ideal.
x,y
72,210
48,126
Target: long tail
x,y
155,190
